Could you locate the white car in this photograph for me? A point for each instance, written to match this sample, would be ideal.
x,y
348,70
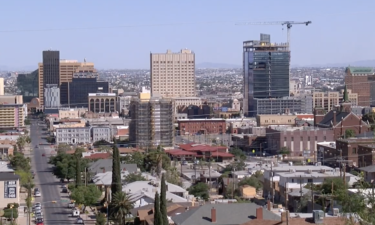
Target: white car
x,y
79,220
37,194
75,213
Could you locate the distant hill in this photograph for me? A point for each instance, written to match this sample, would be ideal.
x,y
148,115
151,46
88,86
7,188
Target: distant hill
x,y
210,65
363,63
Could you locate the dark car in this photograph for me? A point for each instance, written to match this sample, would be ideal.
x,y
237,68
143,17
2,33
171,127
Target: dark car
x,y
64,190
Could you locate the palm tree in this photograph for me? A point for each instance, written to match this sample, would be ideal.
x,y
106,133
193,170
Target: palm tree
x,y
121,206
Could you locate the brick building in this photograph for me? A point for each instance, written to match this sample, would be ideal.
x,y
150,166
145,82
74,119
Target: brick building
x,y
341,119
358,152
356,78
296,139
202,126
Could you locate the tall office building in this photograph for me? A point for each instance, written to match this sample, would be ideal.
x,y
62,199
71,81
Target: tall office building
x,y
151,121
173,74
357,80
56,71
266,71
52,96
1,86
84,82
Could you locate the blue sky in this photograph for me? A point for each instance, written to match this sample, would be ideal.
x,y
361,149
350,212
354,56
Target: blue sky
x,y
341,31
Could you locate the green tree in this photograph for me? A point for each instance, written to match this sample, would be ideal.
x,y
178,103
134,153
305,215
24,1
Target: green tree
x,y
157,160
132,177
163,200
200,190
105,148
135,158
101,219
63,148
86,195
238,154
157,213
338,185
251,181
120,207
349,133
21,142
78,156
370,117
27,122
116,170
19,162
284,151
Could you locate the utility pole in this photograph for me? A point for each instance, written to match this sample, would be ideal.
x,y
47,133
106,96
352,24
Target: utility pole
x,y
312,196
344,168
332,196
286,197
273,190
300,191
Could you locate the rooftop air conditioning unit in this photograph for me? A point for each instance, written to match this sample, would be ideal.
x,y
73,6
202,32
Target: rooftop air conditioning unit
x,y
318,164
309,171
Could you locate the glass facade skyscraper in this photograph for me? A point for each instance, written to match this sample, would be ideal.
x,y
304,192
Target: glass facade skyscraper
x,y
266,71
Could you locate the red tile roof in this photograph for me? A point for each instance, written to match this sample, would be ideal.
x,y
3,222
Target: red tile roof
x,y
222,154
180,152
305,116
201,147
99,156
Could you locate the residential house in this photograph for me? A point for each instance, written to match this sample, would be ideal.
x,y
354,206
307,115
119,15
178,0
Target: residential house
x,y
104,165
224,214
317,218
143,192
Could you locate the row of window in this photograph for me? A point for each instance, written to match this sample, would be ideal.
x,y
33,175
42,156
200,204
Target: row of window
x,y
308,138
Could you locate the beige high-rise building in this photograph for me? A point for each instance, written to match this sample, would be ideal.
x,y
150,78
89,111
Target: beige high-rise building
x,y
173,74
328,100
67,69
1,86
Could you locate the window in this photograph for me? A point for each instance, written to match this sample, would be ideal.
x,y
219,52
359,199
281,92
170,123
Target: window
x,y
284,138
325,138
308,138
309,180
292,139
354,151
316,138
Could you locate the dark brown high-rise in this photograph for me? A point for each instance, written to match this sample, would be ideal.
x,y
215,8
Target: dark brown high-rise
x,y
51,67
356,79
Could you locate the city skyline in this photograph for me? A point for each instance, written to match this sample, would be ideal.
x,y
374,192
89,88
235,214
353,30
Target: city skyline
x,y
123,34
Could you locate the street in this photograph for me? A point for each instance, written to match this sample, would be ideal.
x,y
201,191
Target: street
x,y
54,213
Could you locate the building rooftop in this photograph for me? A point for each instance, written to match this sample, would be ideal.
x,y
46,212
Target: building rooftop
x,y
360,70
101,94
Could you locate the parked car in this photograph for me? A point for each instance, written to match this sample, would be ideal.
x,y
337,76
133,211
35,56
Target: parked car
x,y
37,194
71,205
75,213
39,223
79,220
39,220
64,190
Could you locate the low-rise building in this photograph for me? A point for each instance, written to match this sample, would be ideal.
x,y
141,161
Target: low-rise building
x,y
9,189
357,152
301,141
73,135
266,120
101,133
202,126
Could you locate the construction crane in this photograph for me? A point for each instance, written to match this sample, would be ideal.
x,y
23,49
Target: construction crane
x,y
288,24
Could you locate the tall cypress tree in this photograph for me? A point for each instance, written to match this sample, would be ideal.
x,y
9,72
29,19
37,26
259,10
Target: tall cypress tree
x,y
78,170
77,155
157,214
163,200
116,170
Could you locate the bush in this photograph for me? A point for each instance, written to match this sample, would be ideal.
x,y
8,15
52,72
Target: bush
x,y
15,205
8,213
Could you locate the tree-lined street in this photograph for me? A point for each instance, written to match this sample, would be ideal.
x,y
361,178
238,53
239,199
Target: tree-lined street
x,y
54,213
